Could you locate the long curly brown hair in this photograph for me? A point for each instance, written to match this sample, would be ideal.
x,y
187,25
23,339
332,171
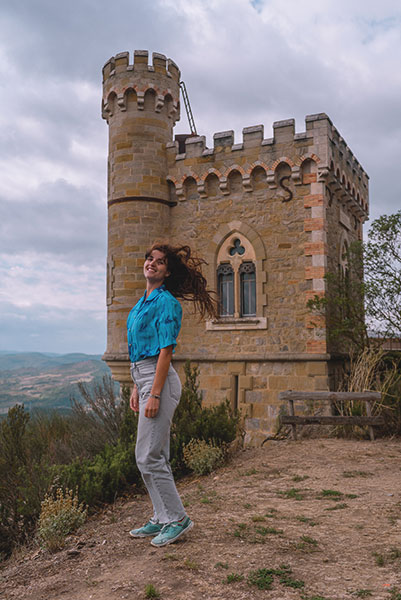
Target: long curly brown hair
x,y
186,280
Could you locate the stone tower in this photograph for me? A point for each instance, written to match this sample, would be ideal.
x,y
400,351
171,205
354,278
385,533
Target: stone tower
x,y
141,106
271,216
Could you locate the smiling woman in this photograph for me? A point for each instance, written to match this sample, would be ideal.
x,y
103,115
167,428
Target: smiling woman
x,y
153,326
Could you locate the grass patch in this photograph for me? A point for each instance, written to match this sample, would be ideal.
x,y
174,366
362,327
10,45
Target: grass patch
x,y
307,544
307,520
379,559
247,505
258,518
190,564
292,493
268,531
332,494
298,478
249,472
233,578
272,513
349,474
221,565
395,594
362,593
170,556
151,591
261,578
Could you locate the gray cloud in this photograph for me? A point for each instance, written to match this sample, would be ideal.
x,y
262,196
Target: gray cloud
x,y
244,63
57,219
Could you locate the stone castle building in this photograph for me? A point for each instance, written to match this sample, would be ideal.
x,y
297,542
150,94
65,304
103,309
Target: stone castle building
x,y
270,216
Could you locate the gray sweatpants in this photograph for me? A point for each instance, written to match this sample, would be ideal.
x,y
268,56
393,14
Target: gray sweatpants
x,y
152,450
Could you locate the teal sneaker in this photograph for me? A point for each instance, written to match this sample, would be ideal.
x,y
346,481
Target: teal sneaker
x,y
147,530
171,532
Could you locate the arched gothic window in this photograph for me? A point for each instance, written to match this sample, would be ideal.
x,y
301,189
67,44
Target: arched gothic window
x,y
236,277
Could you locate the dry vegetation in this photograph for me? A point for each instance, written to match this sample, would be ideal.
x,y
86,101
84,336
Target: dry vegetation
x,y
307,520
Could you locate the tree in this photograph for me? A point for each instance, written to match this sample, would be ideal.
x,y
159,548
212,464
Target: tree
x,y
382,260
364,300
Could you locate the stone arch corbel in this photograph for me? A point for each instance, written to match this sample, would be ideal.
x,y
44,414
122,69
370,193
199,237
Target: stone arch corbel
x,y
202,181
224,180
179,191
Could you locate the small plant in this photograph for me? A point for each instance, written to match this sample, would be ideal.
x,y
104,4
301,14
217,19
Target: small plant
x,y
357,474
249,472
202,457
298,478
395,594
292,493
379,559
151,591
394,554
170,556
59,516
307,544
247,505
307,520
221,565
191,564
268,530
258,518
332,494
261,578
362,593
233,577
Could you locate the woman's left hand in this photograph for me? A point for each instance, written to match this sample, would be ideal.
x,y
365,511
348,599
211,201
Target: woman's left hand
x,y
152,407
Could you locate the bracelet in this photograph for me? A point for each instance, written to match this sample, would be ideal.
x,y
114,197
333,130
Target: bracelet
x,y
154,396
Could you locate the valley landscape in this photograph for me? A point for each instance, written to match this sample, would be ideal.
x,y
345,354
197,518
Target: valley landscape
x,y
45,381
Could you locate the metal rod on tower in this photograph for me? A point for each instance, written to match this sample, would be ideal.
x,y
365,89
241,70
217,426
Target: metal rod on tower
x,y
188,108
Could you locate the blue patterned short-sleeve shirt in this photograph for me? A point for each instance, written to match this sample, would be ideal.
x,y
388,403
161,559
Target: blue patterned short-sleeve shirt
x,y
154,323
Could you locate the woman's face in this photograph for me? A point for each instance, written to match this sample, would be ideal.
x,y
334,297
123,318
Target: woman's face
x,y
155,268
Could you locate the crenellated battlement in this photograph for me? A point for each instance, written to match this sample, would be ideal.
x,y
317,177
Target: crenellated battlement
x,y
160,64
334,163
139,84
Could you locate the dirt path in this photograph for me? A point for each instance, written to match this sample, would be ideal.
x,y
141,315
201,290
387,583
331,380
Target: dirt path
x,y
266,508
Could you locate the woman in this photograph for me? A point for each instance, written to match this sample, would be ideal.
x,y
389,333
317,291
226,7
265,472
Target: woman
x,y
153,326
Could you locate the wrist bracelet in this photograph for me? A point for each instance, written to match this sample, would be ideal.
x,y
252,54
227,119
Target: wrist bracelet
x,y
155,396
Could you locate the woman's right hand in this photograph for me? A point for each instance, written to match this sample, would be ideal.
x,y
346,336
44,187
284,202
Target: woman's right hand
x,y
134,400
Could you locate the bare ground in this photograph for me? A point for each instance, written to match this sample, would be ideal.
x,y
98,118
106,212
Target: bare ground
x,y
266,508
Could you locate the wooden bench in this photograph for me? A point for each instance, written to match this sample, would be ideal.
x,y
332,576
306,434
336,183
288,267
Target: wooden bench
x,y
333,398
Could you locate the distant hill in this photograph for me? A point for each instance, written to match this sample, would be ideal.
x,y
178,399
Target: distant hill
x,y
46,381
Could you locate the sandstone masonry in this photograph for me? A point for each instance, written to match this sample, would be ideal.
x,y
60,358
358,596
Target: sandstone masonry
x,y
292,203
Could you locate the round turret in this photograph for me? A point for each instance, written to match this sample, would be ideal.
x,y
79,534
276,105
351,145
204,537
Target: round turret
x,y
141,105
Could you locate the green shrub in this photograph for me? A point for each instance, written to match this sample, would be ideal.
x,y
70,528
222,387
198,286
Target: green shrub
x,y
202,457
102,478
217,425
60,516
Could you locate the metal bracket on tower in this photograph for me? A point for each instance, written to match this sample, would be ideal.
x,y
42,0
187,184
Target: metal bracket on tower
x,y
188,108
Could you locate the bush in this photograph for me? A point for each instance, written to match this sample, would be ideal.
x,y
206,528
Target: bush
x,y
102,478
59,517
218,425
202,457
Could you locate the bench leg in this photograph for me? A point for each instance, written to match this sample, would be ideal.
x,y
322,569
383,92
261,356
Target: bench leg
x,y
292,414
369,414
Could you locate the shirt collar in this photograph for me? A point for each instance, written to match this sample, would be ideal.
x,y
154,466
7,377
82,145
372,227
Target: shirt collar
x,y
154,294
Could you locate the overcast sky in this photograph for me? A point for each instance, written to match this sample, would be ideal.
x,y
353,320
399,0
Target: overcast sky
x,y
244,63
